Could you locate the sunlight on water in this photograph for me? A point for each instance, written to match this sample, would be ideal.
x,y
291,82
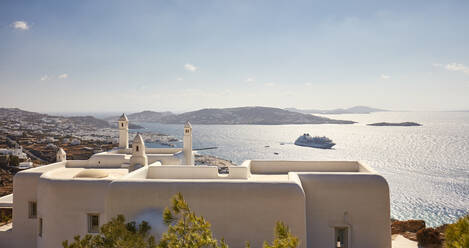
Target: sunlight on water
x,y
426,167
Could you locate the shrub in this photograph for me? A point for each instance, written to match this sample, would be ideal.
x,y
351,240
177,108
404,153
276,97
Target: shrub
x,y
428,236
457,234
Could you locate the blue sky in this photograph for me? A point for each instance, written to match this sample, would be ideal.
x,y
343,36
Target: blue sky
x,y
185,55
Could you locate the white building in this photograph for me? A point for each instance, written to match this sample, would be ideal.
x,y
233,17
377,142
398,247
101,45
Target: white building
x,y
17,151
323,202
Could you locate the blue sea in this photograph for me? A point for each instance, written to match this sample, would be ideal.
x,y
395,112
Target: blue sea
x,y
427,167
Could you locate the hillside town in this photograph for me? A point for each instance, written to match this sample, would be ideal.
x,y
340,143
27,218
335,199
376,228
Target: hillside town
x,y
29,139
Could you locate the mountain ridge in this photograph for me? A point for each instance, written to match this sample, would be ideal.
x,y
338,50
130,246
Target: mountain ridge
x,y
256,115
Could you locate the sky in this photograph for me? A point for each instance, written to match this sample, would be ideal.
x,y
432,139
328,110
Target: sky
x,y
178,55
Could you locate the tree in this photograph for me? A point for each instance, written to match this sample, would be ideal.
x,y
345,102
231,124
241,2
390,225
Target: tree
x,y
283,237
116,234
185,228
457,234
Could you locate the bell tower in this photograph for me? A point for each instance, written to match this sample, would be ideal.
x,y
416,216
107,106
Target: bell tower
x,y
139,156
61,156
187,144
123,123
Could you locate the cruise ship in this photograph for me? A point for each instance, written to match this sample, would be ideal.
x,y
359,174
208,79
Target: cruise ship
x,y
314,141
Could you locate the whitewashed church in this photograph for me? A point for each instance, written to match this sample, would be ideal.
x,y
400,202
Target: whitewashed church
x,y
325,203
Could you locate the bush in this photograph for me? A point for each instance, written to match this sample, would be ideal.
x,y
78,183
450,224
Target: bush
x,y
428,236
457,234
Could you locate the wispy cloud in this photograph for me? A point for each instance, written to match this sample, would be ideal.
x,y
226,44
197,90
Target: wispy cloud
x,y
250,80
44,78
62,76
190,67
269,84
454,67
457,67
385,77
308,84
21,25
179,79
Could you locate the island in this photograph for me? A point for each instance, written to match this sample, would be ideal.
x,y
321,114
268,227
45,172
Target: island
x,y
352,110
395,124
233,116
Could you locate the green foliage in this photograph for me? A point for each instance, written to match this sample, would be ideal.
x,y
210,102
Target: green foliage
x,y
283,237
457,234
185,228
116,233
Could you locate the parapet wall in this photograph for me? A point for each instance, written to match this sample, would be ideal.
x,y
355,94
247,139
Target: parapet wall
x,y
283,167
195,172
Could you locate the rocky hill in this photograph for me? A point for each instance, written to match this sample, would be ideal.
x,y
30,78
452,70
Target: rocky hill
x,y
234,116
23,117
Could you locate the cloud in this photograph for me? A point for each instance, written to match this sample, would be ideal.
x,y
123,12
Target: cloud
x,y
270,84
454,67
179,79
457,67
308,84
22,25
44,78
250,80
190,67
62,76
385,77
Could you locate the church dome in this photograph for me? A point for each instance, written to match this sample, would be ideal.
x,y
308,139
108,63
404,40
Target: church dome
x,y
123,118
138,139
61,151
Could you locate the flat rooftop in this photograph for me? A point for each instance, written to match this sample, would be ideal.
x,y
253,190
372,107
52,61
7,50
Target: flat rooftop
x,y
88,173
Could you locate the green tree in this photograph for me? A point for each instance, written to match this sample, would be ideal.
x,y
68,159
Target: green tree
x,y
185,228
283,237
457,234
116,234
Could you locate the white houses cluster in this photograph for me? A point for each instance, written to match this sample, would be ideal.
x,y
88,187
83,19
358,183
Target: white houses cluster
x,y
325,203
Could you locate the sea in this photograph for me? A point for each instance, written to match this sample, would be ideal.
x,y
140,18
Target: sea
x,y
427,167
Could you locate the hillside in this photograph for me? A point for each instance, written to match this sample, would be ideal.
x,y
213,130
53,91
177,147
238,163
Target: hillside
x,y
352,110
90,120
23,117
233,116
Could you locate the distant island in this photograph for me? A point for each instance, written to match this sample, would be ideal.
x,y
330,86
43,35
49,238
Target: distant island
x,y
352,110
390,124
232,116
